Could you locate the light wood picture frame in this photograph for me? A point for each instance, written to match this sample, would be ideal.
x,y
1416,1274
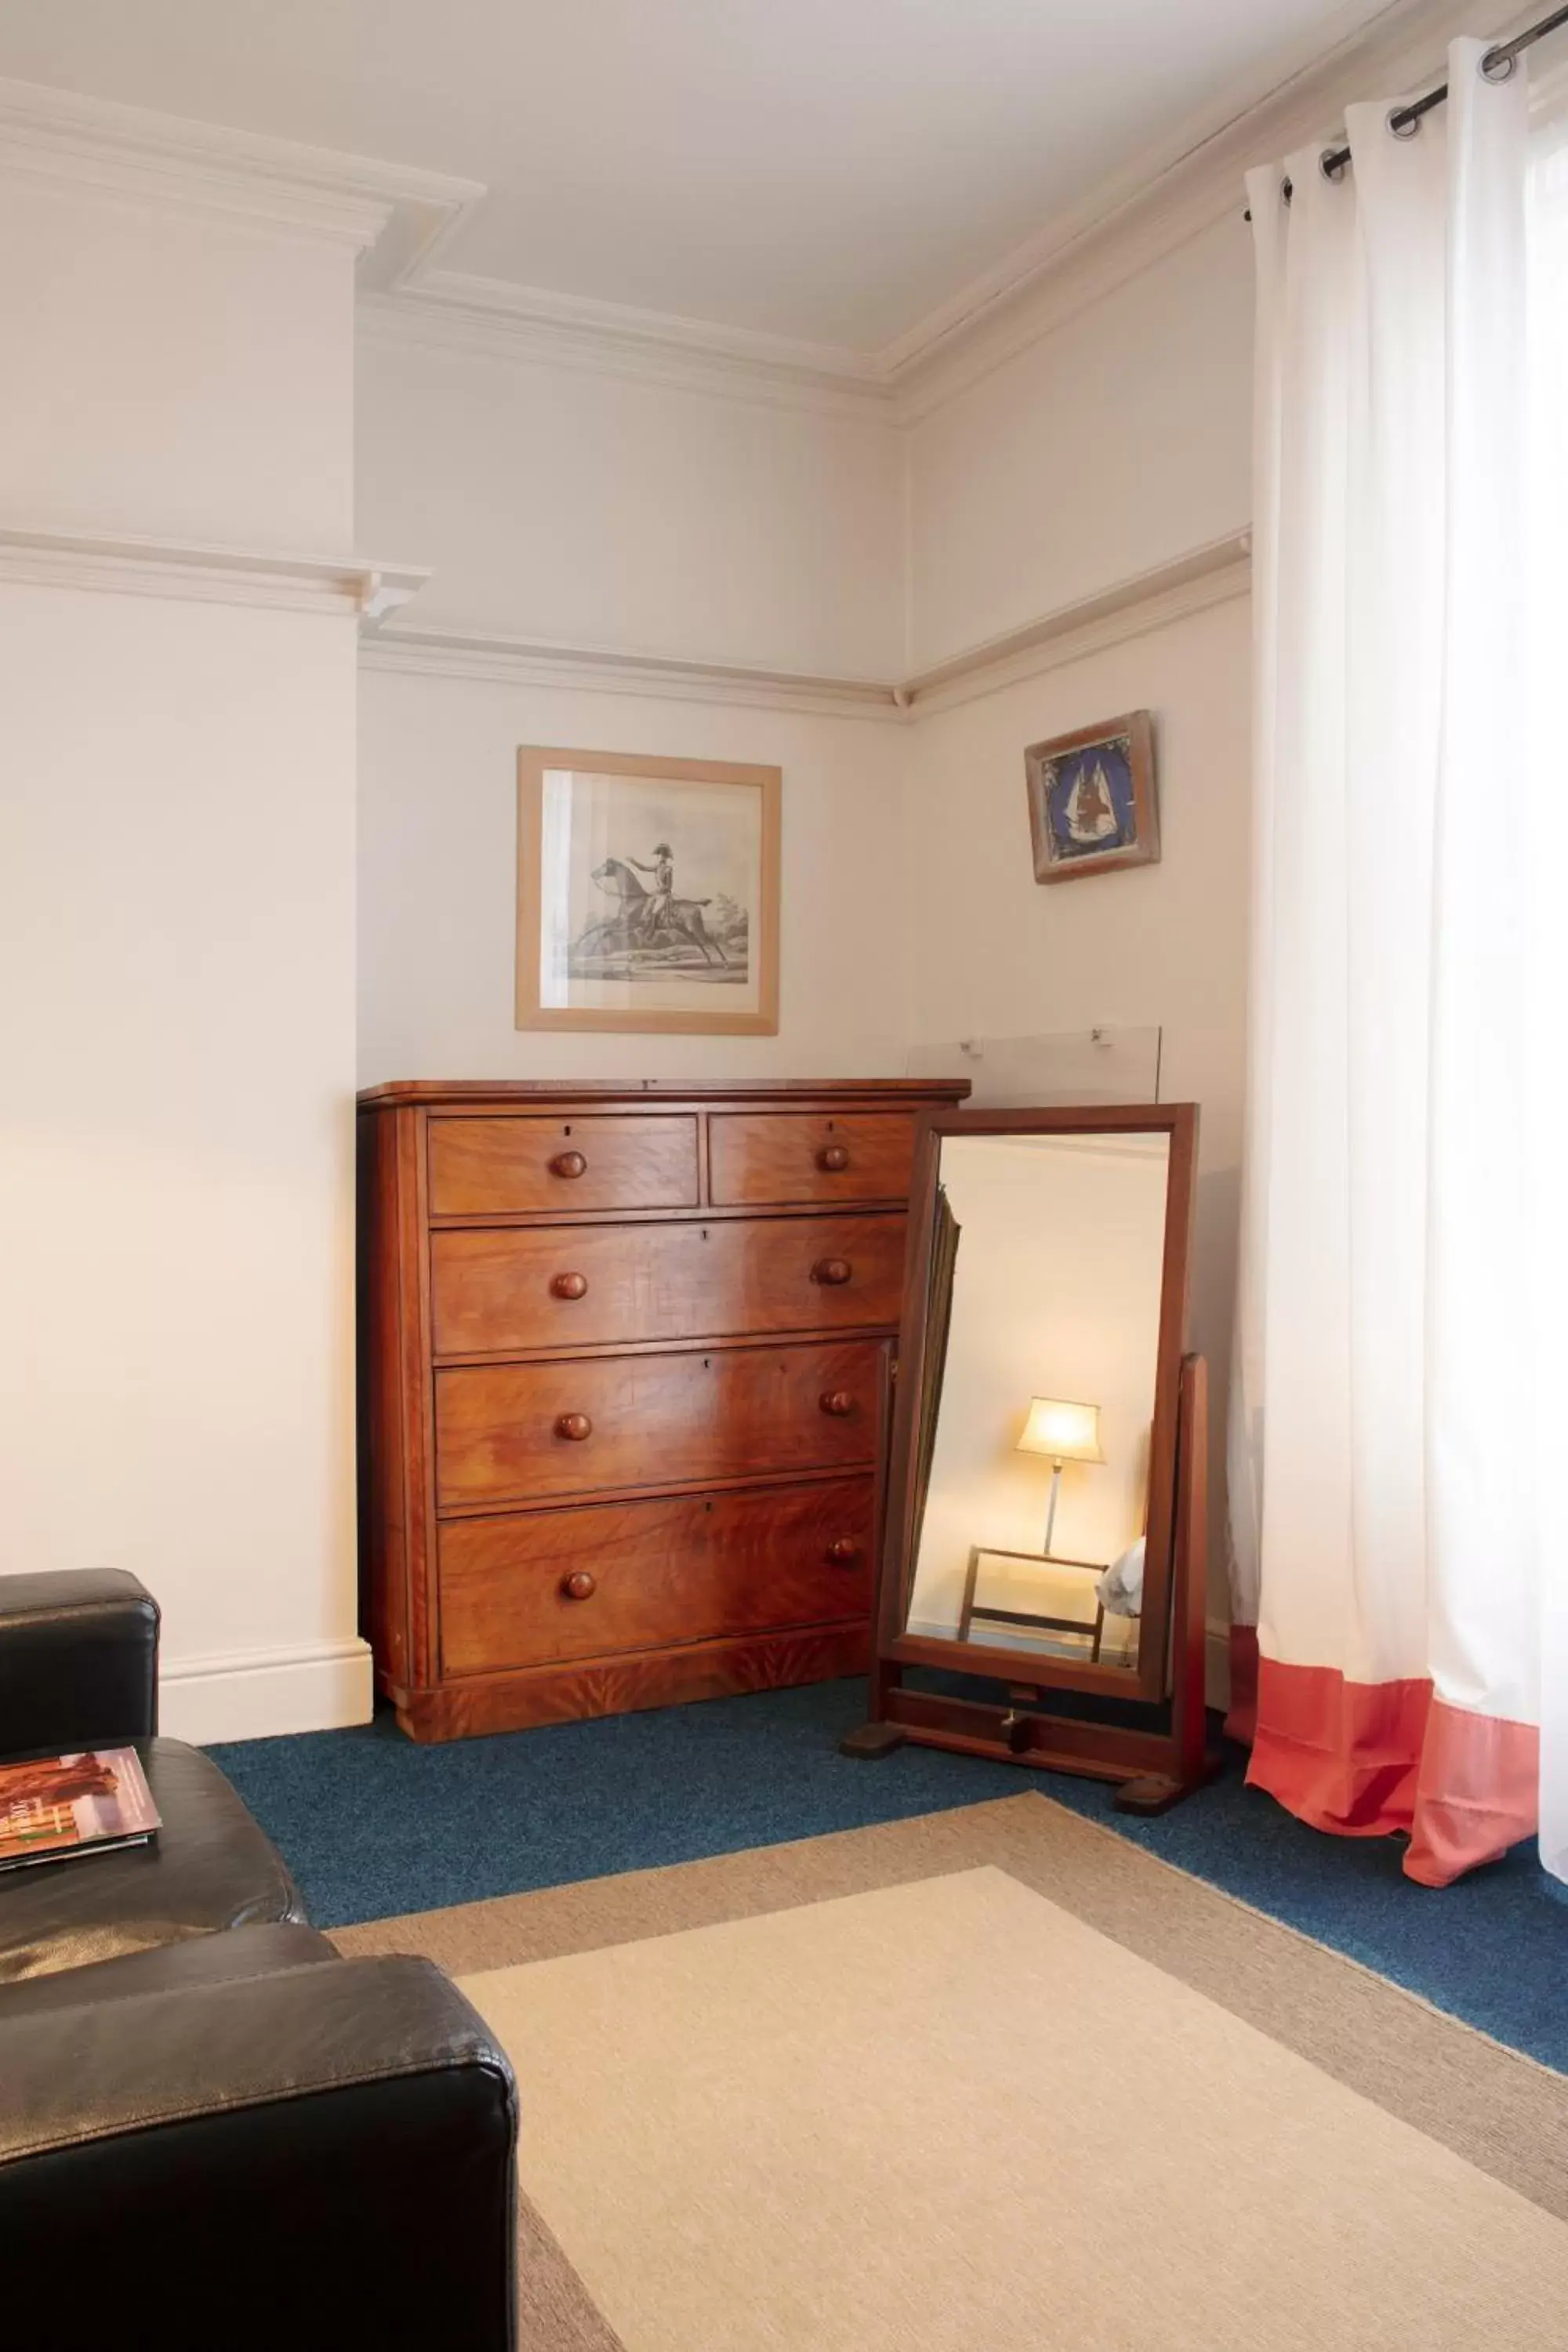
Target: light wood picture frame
x,y
647,894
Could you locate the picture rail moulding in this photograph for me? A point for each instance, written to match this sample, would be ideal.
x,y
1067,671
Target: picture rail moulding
x,y
1172,590
33,555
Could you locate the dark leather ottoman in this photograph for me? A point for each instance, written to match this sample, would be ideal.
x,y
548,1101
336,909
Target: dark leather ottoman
x,y
214,2131
210,1867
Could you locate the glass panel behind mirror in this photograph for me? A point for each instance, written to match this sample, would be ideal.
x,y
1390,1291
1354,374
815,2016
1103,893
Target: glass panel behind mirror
x,y
1043,1345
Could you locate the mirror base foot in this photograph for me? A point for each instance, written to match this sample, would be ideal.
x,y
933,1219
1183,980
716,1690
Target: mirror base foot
x,y
1156,1792
873,1740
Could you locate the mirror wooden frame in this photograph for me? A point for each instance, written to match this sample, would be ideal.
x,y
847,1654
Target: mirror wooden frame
x,y
1157,1766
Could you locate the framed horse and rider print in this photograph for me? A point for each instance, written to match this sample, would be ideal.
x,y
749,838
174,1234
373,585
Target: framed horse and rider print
x,y
647,894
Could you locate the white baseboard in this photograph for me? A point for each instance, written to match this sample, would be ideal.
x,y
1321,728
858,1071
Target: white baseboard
x,y
257,1693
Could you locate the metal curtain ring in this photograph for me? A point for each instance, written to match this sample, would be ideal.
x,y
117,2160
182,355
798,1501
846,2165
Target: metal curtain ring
x,y
1497,65
1403,124
1333,163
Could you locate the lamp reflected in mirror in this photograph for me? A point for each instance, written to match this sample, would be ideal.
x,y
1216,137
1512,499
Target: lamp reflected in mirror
x,y
1068,1432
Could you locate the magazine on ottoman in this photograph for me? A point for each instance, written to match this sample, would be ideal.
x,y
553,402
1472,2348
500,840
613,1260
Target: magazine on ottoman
x,y
85,1802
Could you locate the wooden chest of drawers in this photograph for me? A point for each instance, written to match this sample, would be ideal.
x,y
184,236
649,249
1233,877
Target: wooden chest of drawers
x,y
624,1360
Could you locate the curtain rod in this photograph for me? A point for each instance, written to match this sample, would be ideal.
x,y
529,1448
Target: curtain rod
x,y
1496,65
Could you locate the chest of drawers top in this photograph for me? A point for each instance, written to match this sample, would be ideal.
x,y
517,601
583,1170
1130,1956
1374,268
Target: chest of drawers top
x,y
530,1151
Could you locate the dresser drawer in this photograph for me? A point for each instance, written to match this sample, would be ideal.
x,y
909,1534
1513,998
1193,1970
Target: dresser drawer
x,y
518,1433
497,1166
689,1569
603,1285
773,1159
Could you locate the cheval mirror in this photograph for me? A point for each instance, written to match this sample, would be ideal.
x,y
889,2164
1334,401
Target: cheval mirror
x,y
1045,1525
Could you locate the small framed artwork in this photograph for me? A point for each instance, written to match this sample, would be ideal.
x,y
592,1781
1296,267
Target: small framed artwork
x,y
1092,798
647,894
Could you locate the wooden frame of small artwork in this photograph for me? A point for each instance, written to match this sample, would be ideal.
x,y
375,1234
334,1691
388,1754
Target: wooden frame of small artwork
x,y
647,894
1092,806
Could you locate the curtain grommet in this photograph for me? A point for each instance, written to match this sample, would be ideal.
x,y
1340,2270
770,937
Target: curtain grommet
x,y
1498,65
1333,163
1403,124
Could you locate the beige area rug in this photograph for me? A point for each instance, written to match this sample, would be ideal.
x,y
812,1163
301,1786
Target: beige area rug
x,y
992,2078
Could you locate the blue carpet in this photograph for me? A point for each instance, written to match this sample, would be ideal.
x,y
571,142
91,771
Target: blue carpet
x,y
373,1825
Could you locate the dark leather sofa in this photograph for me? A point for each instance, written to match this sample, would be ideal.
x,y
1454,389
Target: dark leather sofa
x,y
214,2131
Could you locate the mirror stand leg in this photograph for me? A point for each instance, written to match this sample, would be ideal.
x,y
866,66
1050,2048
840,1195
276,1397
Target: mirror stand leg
x,y
873,1740
1156,1792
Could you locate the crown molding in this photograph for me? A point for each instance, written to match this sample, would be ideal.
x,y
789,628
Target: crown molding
x,y
448,309
395,218
399,221
520,661
1307,60
1172,590
1159,202
1169,197
36,556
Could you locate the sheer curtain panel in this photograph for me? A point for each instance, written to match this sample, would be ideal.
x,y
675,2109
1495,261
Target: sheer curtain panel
x,y
1396,1426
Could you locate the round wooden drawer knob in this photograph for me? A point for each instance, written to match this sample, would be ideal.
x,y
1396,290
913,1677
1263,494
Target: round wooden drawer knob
x,y
568,1285
580,1585
844,1552
568,1163
574,1425
832,1271
834,1157
836,1403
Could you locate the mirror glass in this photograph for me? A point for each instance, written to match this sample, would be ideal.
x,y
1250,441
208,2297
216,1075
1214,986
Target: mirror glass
x,y
1031,1468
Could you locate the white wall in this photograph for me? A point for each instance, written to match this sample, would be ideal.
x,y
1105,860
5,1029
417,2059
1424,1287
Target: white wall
x,y
176,902
600,510
1117,443
176,954
177,974
594,510
182,375
439,868
1165,944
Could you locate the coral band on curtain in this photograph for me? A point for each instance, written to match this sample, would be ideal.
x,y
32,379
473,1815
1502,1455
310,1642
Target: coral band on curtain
x,y
1365,1759
1396,1327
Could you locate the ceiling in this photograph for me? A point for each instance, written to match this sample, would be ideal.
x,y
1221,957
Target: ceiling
x,y
831,171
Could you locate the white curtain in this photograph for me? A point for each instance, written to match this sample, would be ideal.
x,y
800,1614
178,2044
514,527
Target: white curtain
x,y
1398,1409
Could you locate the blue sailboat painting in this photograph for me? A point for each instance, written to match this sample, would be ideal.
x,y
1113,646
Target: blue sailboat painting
x,y
1092,798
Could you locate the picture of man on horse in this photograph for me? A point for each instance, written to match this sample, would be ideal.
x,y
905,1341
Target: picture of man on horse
x,y
653,924
663,892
